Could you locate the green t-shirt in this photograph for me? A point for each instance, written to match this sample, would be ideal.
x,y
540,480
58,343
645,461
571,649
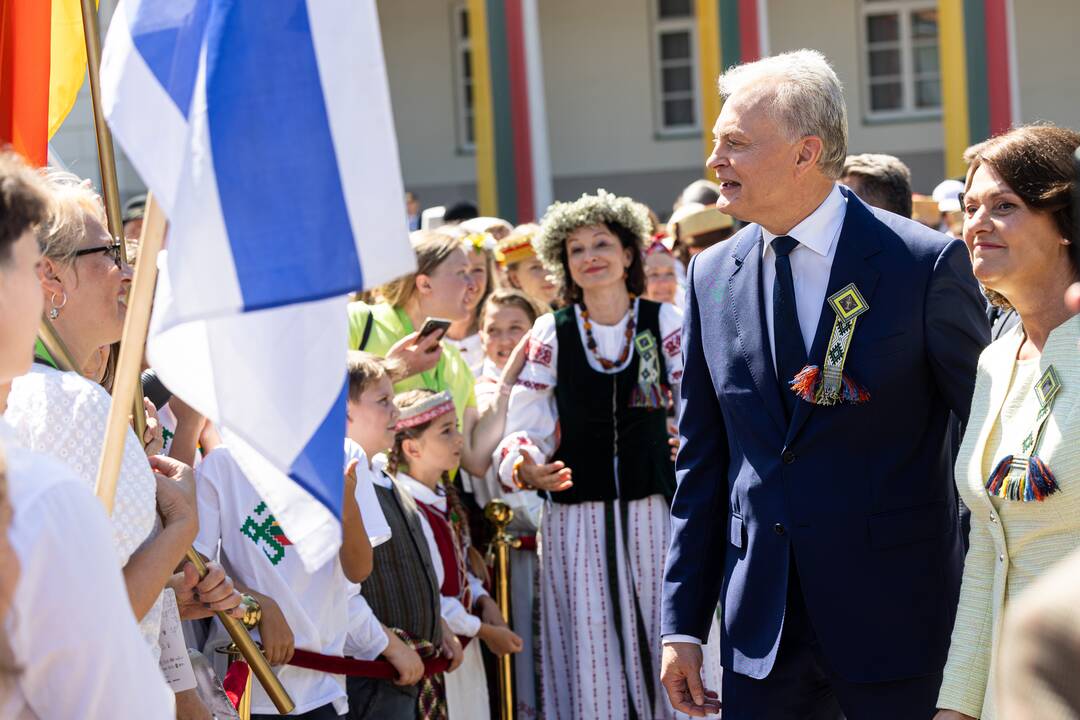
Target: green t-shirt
x,y
390,324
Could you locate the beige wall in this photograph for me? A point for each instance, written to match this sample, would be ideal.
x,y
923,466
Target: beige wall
x,y
833,27
1049,61
419,61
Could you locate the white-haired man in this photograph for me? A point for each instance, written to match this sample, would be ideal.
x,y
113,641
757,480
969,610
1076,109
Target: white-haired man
x,y
826,345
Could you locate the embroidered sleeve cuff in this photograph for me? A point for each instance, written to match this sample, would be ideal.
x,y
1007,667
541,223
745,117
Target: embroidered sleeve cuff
x,y
508,454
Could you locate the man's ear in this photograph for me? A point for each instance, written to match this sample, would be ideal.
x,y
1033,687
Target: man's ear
x,y
809,152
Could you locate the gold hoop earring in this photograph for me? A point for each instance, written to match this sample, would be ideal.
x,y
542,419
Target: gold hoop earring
x,y
54,312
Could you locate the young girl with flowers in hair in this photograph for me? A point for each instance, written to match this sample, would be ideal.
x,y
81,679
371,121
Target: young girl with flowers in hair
x,y
427,447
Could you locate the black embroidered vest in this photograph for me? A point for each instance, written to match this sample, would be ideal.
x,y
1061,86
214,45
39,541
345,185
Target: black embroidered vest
x,y
597,423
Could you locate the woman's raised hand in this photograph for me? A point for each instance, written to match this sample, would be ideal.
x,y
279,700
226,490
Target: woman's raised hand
x,y
552,477
153,438
515,362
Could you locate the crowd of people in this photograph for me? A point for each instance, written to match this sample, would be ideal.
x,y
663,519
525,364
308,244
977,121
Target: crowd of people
x,y
801,452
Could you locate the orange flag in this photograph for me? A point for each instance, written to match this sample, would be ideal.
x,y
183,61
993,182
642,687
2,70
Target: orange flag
x,y
42,67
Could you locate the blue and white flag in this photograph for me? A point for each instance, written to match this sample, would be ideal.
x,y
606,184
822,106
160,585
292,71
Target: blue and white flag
x,y
264,130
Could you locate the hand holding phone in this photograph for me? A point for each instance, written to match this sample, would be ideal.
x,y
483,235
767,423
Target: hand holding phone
x,y
433,325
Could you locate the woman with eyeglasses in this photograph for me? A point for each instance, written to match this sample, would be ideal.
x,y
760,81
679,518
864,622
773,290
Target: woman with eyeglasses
x,y
84,284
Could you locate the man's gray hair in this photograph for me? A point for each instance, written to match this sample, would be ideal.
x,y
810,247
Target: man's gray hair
x,y
806,99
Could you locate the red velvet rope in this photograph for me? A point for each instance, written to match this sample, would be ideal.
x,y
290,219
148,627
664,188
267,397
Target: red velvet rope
x,y
376,669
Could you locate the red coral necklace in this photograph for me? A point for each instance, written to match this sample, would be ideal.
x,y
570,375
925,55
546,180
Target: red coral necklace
x,y
590,341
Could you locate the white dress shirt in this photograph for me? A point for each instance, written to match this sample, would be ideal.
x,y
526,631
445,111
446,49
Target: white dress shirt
x,y
811,265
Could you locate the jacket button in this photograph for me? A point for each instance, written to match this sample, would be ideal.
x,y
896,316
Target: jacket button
x,y
788,457
778,529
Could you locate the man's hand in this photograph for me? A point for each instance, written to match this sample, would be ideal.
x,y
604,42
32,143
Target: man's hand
x,y
189,706
201,598
405,660
680,673
552,477
275,633
673,439
418,354
451,647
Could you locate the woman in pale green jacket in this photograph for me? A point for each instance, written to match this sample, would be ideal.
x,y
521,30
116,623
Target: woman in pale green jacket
x,y
1019,466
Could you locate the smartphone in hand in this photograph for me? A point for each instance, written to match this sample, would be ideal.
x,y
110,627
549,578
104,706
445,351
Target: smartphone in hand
x,y
433,325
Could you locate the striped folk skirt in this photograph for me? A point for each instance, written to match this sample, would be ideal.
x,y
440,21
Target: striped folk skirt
x,y
600,642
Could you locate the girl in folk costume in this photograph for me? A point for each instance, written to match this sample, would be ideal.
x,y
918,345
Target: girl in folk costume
x,y
504,320
523,270
588,416
428,446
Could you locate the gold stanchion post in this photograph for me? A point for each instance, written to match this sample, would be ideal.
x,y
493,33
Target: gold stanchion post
x,y
499,514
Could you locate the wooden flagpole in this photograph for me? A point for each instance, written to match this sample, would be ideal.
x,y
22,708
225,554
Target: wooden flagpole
x,y
110,187
136,324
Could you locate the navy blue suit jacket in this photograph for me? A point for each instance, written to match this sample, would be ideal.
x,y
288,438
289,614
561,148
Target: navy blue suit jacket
x,y
861,496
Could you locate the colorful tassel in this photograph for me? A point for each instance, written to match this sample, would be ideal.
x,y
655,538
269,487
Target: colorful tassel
x,y
1024,479
651,397
808,386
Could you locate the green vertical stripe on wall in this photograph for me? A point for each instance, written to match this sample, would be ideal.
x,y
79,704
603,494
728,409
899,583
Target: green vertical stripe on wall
x,y
730,43
975,53
505,186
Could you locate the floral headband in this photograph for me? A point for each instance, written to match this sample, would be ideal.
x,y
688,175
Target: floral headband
x,y
423,412
481,241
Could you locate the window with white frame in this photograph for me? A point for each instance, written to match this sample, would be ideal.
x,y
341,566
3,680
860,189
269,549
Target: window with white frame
x,y
463,79
675,45
901,74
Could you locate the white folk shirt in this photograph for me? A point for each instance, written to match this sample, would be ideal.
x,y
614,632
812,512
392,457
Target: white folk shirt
x,y
811,265
64,415
366,639
71,628
458,617
258,554
533,418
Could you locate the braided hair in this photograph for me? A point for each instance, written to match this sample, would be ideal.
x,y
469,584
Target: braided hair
x,y
459,517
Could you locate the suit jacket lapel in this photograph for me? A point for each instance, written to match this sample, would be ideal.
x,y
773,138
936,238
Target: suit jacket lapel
x,y
748,306
857,242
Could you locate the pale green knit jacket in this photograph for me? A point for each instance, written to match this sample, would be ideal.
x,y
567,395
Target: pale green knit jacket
x,y
1012,543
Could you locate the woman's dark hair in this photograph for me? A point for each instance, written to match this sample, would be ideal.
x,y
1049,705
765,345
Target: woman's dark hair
x,y
1036,162
635,274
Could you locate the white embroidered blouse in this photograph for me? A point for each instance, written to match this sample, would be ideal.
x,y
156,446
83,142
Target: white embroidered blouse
x,y
64,415
532,419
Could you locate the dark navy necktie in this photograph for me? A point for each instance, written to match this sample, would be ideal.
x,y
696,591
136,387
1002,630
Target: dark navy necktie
x,y
787,336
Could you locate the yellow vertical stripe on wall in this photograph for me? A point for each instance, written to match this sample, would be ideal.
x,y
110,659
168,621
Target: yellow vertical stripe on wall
x,y
954,90
483,121
708,35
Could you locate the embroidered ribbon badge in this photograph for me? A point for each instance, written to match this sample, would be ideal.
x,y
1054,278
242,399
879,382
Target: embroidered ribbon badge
x,y
648,393
831,385
1024,476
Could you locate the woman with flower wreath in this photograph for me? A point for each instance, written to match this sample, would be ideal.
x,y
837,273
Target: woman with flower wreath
x,y
587,424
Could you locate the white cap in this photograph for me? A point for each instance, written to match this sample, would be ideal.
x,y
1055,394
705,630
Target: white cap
x,y
947,194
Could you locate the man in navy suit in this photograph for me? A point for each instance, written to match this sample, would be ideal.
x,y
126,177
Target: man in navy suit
x,y
823,524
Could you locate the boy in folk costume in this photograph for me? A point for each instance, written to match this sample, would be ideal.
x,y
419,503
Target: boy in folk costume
x,y
427,447
299,609
371,418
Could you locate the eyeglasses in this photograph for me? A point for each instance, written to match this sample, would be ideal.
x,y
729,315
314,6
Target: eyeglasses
x,y
112,249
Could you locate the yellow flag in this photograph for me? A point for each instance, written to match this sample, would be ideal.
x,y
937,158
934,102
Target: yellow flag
x,y
67,60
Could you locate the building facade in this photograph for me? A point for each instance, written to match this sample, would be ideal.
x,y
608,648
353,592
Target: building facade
x,y
513,103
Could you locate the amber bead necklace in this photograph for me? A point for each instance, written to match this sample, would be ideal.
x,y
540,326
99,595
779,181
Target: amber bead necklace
x,y
590,341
